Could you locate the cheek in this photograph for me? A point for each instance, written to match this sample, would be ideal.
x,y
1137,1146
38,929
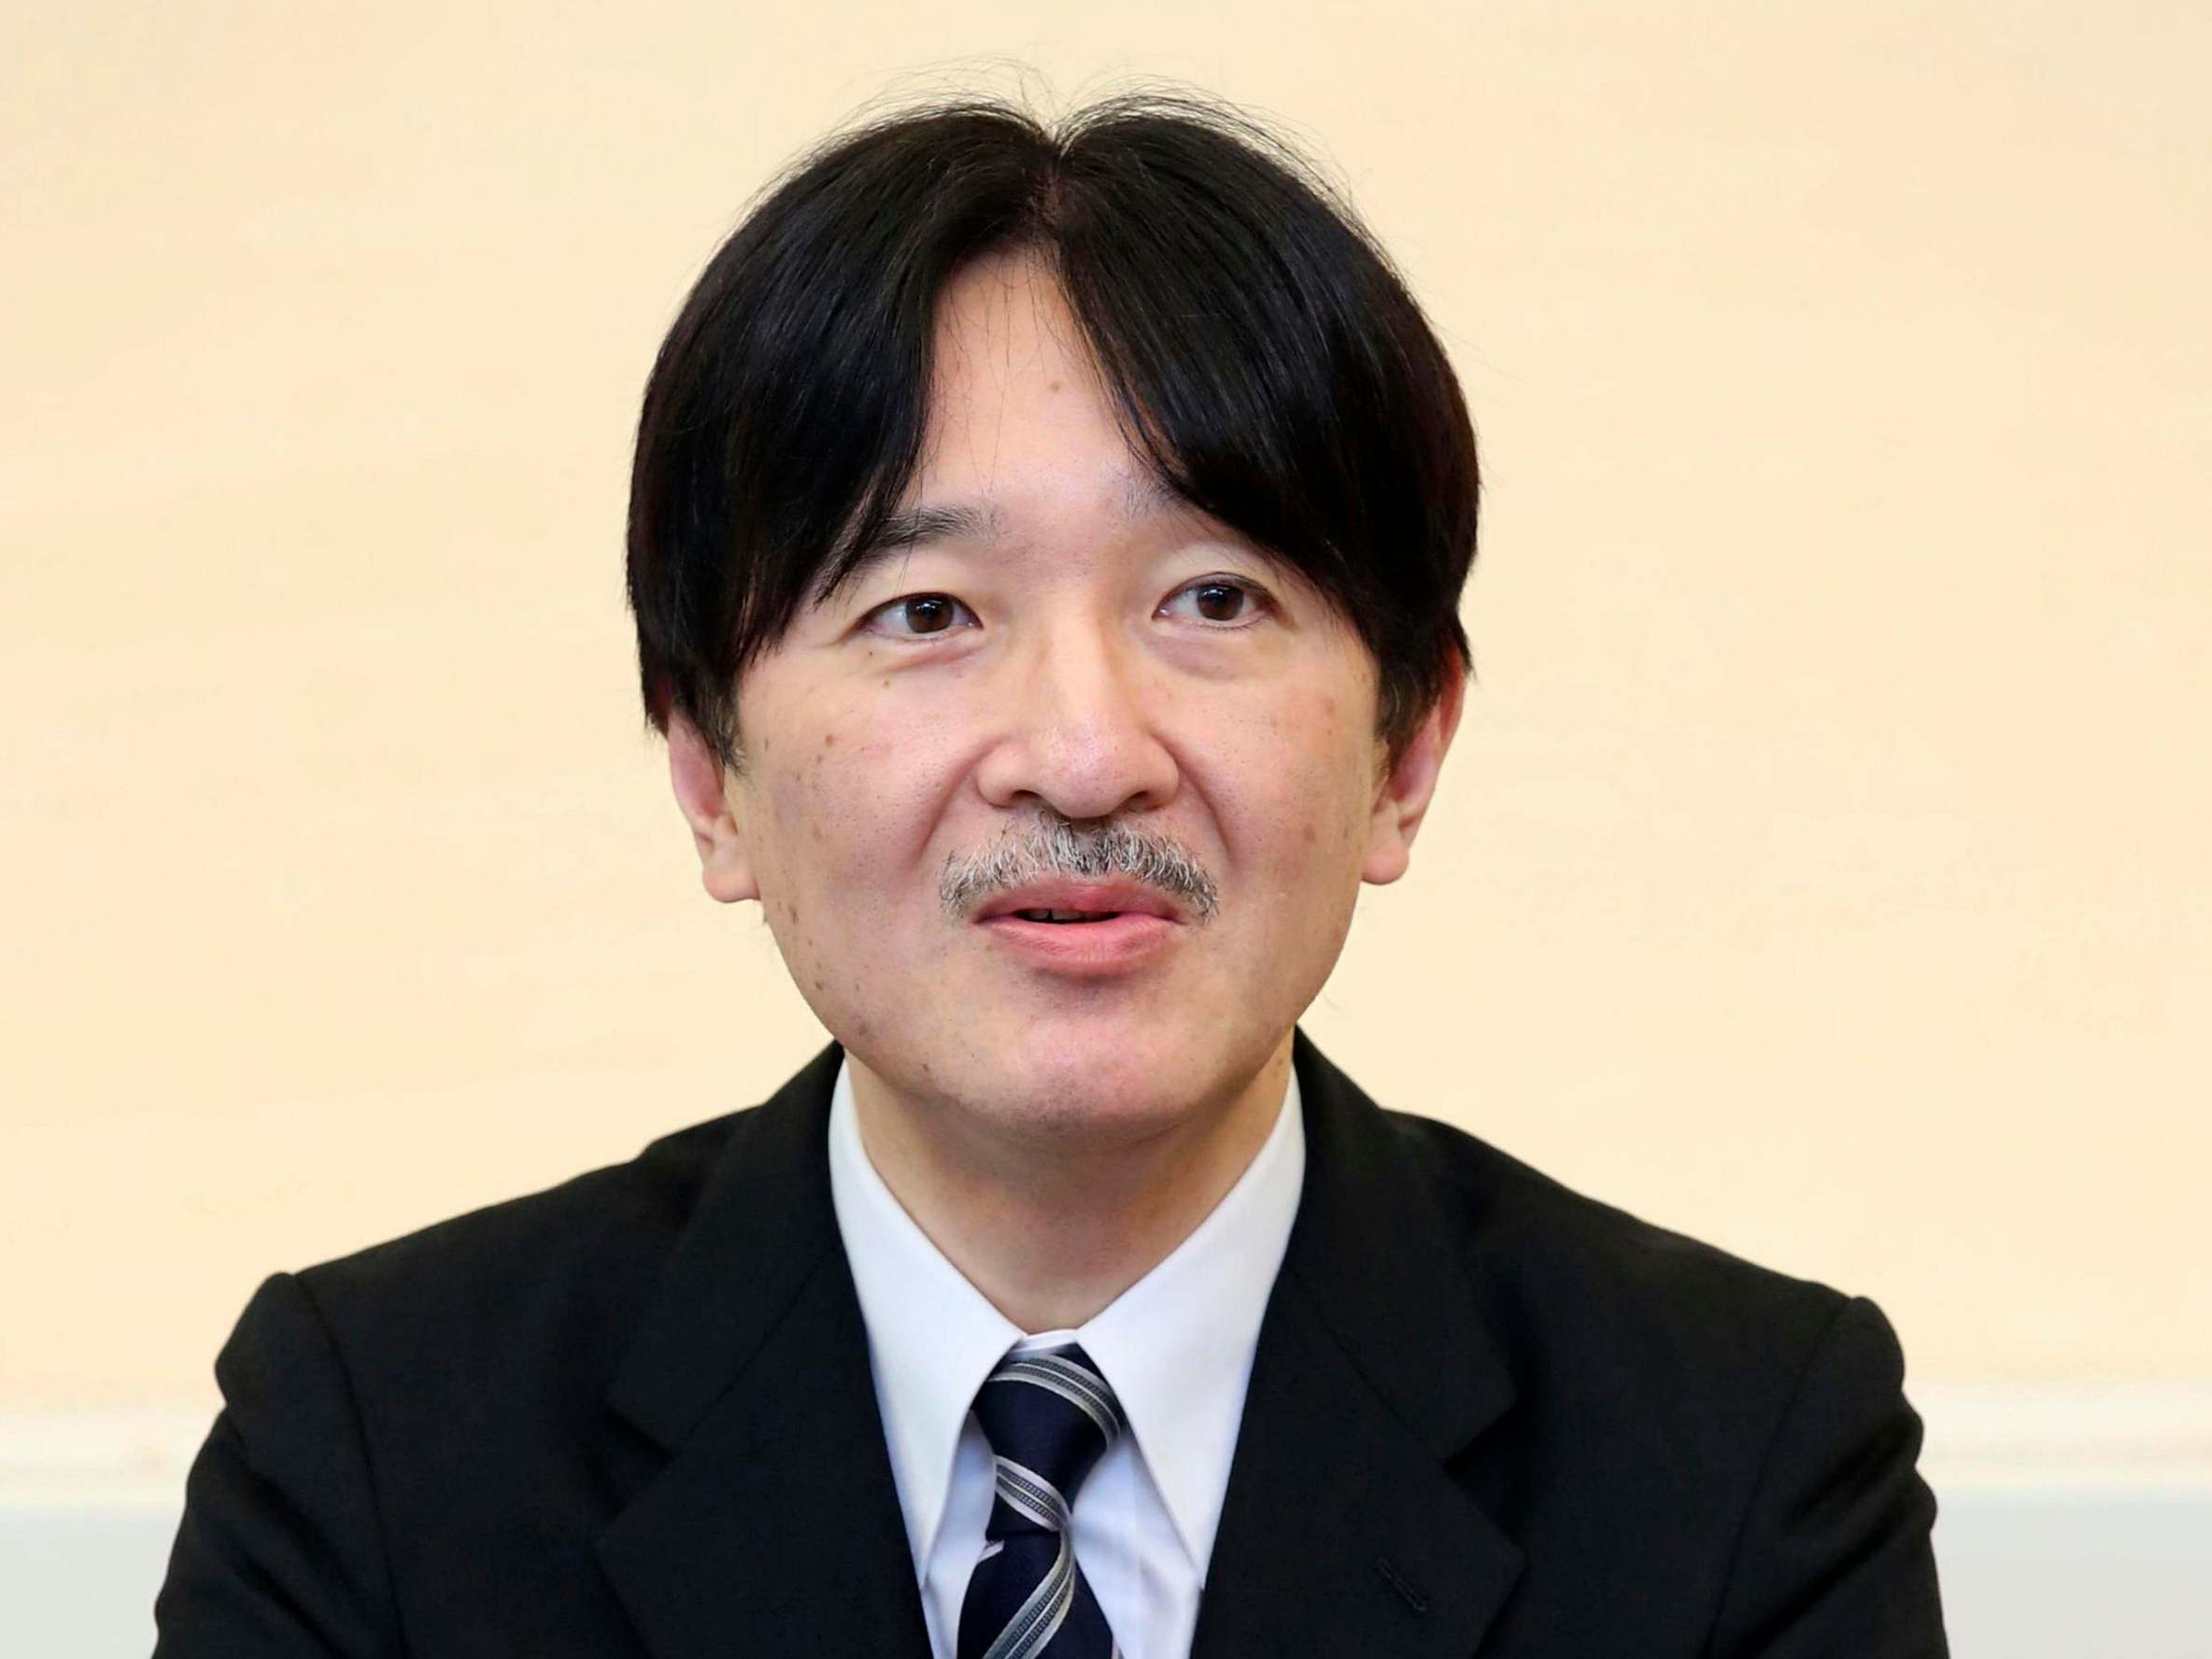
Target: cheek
x,y
1306,774
839,801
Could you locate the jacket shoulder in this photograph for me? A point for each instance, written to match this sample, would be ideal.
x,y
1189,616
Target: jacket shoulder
x,y
1736,1439
563,1269
1585,1279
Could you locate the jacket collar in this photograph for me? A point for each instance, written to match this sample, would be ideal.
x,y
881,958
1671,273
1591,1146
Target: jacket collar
x,y
773,1528
1342,1531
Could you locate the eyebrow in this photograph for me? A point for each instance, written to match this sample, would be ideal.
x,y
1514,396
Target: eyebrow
x,y
1142,495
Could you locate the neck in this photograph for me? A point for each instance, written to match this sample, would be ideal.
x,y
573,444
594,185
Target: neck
x,y
1051,1232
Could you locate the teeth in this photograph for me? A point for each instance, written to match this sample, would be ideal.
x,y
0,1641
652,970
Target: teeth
x,y
1064,916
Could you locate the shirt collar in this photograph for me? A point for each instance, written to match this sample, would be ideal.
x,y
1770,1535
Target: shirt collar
x,y
931,1336
1176,1346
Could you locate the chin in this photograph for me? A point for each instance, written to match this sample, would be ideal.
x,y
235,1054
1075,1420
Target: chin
x,y
1069,1069
1113,1088
1093,1120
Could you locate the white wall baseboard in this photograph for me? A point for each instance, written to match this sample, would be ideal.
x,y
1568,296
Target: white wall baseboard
x,y
2136,1437
1981,1437
2070,1519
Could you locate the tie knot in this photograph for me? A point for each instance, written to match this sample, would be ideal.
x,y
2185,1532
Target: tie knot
x,y
1049,1417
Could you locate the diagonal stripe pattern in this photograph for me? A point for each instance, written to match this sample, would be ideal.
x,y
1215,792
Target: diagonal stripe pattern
x,y
1049,1418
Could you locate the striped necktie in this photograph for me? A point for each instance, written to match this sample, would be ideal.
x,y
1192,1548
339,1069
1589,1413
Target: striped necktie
x,y
1048,1416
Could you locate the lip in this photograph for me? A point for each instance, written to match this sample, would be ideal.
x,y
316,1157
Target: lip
x,y
1127,898
1089,949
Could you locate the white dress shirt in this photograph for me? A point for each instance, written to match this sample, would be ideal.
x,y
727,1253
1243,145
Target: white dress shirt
x,y
1176,1348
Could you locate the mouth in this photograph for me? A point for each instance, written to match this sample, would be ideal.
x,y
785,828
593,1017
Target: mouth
x,y
1083,943
1063,902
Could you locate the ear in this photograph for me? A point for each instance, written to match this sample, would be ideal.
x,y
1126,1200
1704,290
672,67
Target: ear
x,y
701,793
1406,792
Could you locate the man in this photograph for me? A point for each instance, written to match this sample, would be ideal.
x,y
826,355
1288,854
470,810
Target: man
x,y
1046,550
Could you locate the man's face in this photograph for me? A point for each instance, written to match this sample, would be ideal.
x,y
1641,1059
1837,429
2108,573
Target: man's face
x,y
1066,652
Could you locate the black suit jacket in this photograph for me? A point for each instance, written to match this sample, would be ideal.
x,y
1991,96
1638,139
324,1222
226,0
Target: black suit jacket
x,y
632,1417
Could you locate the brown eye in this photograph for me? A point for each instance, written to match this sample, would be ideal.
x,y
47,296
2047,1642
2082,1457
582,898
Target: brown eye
x,y
1220,603
1225,603
926,614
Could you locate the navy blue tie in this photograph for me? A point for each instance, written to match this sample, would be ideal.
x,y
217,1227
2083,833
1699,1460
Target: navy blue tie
x,y
1049,1416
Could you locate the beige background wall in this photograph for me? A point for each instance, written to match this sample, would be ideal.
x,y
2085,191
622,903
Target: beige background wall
x,y
1820,869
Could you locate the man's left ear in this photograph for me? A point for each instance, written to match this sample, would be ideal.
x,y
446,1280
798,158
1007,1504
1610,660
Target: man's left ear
x,y
1405,794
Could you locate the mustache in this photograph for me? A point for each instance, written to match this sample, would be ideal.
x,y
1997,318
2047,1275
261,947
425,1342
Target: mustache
x,y
1053,845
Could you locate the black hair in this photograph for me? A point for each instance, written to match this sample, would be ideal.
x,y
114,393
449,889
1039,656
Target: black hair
x,y
1268,363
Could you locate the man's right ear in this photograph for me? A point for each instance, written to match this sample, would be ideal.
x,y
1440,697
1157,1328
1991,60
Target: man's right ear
x,y
725,868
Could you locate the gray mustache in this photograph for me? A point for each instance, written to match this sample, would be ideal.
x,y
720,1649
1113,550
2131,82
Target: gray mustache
x,y
1063,847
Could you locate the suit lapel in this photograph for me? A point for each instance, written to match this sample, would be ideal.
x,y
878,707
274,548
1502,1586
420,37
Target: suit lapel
x,y
1342,1531
774,1525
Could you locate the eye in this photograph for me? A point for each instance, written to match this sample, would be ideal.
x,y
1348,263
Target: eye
x,y
925,614
1227,603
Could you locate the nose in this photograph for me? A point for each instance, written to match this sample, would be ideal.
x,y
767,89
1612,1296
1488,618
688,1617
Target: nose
x,y
1074,712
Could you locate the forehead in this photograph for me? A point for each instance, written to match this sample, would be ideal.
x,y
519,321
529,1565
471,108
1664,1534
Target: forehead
x,y
1025,459
1013,306
1017,402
